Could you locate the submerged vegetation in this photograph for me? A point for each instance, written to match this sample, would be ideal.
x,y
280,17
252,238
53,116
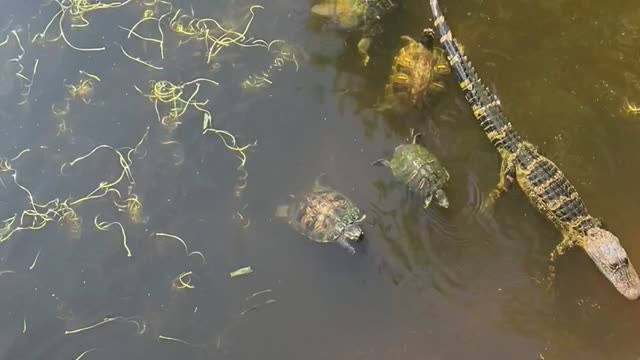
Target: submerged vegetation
x,y
158,38
171,100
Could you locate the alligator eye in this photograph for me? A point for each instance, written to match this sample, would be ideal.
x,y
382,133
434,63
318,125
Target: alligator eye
x,y
620,264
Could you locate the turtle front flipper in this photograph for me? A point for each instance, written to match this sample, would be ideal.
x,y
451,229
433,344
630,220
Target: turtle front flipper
x,y
363,49
427,201
441,199
381,162
436,86
345,244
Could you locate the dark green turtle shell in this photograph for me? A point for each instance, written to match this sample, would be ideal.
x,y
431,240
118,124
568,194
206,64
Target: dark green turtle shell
x,y
322,215
417,167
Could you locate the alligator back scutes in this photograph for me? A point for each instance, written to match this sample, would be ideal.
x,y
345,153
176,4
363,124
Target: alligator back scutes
x,y
545,185
551,192
485,105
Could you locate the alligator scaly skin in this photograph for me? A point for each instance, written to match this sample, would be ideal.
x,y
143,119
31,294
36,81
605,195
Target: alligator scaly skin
x,y
544,184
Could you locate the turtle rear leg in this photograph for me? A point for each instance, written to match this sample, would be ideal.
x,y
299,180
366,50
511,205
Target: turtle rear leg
x,y
363,48
345,244
320,183
507,175
427,201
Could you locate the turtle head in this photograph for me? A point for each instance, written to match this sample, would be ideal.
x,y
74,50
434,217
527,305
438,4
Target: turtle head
x,y
442,199
428,36
352,232
607,253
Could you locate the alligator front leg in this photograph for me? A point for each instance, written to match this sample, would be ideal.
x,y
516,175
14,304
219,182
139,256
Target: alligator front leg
x,y
507,175
566,243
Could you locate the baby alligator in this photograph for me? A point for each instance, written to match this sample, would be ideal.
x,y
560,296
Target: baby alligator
x,y
539,178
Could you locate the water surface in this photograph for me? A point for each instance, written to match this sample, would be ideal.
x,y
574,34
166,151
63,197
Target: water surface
x,y
443,285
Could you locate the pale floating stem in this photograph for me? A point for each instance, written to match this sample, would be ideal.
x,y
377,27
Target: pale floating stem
x,y
133,28
242,271
161,32
198,80
105,321
85,353
184,284
33,265
19,155
64,37
90,75
230,142
29,81
131,32
186,249
141,328
31,200
168,338
137,59
258,293
15,34
106,225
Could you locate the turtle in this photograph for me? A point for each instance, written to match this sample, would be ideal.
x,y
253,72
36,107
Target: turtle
x,y
361,15
417,69
420,170
324,215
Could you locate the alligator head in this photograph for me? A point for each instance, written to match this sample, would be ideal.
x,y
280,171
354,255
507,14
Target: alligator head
x,y
605,250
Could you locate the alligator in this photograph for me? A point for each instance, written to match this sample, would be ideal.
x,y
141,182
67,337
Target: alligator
x,y
546,187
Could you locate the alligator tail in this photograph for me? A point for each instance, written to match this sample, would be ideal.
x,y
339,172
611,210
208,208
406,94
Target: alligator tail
x,y
485,104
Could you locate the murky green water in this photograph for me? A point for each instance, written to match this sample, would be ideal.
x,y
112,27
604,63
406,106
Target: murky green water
x,y
444,286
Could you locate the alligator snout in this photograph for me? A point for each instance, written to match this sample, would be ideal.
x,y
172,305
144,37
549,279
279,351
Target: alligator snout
x,y
607,253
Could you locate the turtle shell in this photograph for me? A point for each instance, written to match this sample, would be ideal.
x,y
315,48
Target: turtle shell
x,y
417,167
355,14
415,71
322,215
